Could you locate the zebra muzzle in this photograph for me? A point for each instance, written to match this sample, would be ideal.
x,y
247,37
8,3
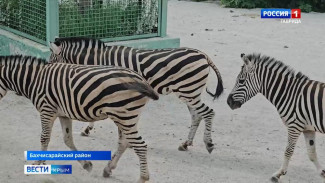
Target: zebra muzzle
x,y
233,104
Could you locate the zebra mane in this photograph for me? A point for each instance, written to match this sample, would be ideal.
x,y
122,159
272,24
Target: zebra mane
x,y
266,60
78,39
21,59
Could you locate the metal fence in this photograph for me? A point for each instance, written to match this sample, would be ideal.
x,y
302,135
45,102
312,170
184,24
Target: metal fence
x,y
24,17
109,20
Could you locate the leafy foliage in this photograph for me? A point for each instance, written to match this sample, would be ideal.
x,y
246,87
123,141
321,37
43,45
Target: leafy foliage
x,y
304,5
26,16
92,18
108,20
244,3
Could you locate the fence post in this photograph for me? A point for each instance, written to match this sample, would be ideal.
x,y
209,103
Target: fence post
x,y
52,20
163,19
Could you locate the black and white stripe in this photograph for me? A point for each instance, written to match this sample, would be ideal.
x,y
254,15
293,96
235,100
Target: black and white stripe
x,y
183,71
84,93
299,101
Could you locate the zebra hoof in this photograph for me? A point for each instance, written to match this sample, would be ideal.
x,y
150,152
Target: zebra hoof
x,y
107,172
210,147
39,162
85,133
322,173
275,179
182,147
143,179
88,166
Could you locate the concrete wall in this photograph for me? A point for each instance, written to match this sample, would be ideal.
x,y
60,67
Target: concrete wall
x,y
11,44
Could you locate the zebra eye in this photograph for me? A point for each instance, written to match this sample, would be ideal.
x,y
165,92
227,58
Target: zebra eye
x,y
241,81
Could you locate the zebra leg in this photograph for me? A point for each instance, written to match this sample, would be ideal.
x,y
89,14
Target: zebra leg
x,y
208,118
205,112
66,125
293,136
202,111
140,147
195,124
122,145
47,121
86,131
311,150
129,137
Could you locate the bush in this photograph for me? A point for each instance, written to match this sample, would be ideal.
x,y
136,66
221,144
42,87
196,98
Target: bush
x,y
304,5
244,3
98,20
316,5
108,20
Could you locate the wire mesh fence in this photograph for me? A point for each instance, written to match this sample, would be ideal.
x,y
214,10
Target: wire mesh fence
x,y
27,16
107,19
89,18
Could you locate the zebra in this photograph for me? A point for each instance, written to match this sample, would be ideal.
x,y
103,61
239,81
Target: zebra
x,y
84,93
183,71
298,100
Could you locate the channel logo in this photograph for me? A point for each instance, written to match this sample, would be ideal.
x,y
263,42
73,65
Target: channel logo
x,y
47,169
281,13
285,15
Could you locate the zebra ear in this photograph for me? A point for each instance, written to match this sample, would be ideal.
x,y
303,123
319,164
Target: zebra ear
x,y
55,49
245,59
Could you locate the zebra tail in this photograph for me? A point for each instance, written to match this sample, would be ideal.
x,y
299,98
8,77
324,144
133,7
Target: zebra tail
x,y
143,88
219,88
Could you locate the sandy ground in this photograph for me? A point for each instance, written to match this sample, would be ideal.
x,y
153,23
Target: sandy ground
x,y
249,141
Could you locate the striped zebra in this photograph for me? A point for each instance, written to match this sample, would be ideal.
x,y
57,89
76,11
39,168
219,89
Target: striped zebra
x,y
183,71
84,93
299,101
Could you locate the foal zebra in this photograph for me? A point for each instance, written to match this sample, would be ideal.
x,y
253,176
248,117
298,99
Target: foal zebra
x,y
183,71
84,93
299,101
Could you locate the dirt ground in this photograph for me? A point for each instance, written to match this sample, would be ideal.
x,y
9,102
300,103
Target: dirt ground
x,y
250,141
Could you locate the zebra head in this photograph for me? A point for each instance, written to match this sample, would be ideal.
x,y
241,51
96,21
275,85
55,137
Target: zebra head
x,y
247,84
56,49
